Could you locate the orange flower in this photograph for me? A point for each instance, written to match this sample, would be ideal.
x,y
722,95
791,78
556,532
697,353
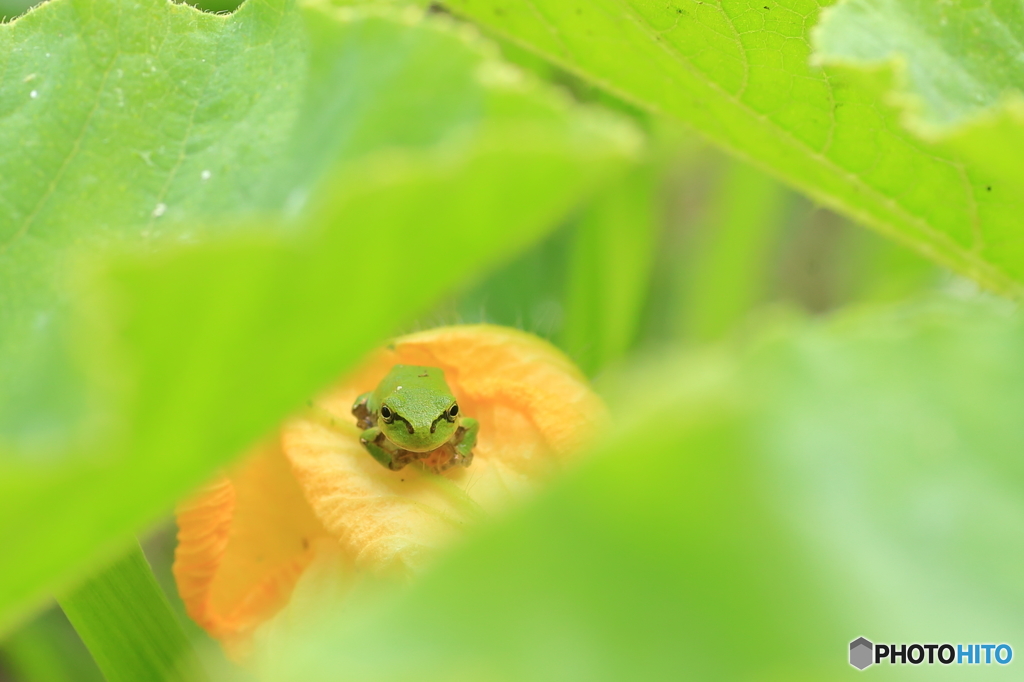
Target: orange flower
x,y
245,540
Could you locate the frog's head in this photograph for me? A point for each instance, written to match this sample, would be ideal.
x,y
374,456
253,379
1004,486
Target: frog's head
x,y
419,420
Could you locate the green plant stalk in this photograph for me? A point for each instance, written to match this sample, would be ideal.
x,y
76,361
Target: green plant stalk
x,y
726,276
607,283
128,626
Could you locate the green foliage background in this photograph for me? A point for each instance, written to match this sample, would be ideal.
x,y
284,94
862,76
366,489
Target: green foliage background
x,y
206,218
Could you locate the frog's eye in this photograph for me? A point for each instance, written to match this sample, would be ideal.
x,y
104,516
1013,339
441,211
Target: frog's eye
x,y
453,411
386,414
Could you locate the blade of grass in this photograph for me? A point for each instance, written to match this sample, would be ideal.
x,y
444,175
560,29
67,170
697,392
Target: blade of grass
x,y
726,274
609,266
127,623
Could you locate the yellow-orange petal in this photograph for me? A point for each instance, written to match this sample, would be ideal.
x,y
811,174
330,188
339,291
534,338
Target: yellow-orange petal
x,y
535,410
243,542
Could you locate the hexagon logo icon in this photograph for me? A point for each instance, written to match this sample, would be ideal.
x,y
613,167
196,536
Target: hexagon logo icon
x,y
861,653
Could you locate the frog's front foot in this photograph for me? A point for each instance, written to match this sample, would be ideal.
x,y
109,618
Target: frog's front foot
x,y
373,440
454,459
465,441
460,449
364,419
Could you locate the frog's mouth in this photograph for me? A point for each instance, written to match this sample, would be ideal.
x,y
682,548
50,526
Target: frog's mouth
x,y
407,444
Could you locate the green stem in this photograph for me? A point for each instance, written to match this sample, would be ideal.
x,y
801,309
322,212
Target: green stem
x,y
128,626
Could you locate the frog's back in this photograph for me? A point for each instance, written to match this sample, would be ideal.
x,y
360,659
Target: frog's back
x,y
411,377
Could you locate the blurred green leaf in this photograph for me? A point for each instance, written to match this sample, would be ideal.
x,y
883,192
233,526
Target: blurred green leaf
x,y
743,520
176,278
875,270
124,618
100,164
610,258
47,649
741,73
726,273
12,8
525,293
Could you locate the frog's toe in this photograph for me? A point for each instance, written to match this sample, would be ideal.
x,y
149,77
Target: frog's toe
x,y
459,459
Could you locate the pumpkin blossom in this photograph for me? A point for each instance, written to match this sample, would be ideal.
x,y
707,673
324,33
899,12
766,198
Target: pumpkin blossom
x,y
246,539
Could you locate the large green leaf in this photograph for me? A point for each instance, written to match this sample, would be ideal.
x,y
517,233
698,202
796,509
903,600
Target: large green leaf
x,y
743,520
955,71
741,72
957,59
210,217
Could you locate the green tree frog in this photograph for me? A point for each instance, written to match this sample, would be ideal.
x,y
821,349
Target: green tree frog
x,y
412,415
